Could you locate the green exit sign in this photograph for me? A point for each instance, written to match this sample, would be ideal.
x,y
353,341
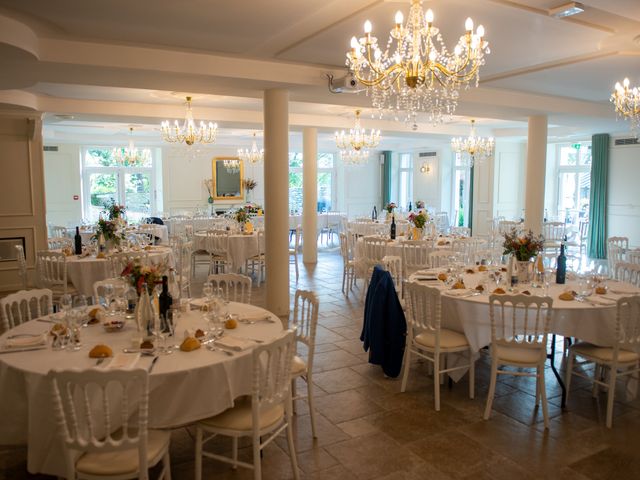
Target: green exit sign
x,y
576,146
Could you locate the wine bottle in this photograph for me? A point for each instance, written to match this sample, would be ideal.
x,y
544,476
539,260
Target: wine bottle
x,y
410,206
101,245
375,214
78,241
144,313
561,266
513,271
393,227
164,303
131,297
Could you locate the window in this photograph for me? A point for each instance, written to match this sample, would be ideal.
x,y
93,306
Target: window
x,y
402,181
574,182
461,189
104,180
325,181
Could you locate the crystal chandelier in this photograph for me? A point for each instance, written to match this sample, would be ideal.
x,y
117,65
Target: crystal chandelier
x,y
130,156
414,72
354,157
232,164
188,133
254,155
627,103
356,143
476,148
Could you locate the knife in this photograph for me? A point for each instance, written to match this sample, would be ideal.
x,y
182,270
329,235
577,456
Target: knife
x,y
153,363
22,349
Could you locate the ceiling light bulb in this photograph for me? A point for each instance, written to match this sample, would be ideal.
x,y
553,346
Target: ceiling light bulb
x,y
468,25
429,16
367,27
399,18
354,43
625,82
480,31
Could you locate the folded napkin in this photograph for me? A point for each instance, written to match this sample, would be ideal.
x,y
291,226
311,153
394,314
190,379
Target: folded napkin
x,y
234,343
462,292
23,342
600,301
123,361
256,318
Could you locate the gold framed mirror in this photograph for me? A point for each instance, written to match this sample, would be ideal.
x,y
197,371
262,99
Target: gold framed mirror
x,y
228,176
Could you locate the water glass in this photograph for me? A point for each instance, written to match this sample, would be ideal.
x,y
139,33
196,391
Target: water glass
x,y
66,302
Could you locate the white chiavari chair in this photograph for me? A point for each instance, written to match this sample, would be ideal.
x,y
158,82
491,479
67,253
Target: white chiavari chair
x,y
266,413
22,267
117,453
633,256
460,232
119,260
622,355
415,256
293,252
25,305
373,249
393,265
99,286
304,324
257,263
628,272
466,249
235,286
519,331
553,234
348,265
183,268
441,219
441,258
218,248
428,340
57,231
58,243
616,250
51,268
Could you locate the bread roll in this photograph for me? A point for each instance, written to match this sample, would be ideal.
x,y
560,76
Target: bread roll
x,y
189,344
101,351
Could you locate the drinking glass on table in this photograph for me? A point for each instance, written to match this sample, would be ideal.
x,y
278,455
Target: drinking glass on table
x,y
108,292
207,290
80,302
75,322
66,302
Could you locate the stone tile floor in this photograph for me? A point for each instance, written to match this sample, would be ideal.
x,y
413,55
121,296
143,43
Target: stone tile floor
x,y
368,429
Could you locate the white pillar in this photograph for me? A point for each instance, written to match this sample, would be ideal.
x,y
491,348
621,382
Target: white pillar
x,y
276,199
310,191
536,168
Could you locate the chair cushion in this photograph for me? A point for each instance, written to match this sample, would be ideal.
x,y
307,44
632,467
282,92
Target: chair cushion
x,y
298,366
124,461
448,339
239,417
519,355
603,354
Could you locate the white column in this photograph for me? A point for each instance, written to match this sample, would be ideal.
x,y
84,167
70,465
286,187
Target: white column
x,y
536,168
276,199
310,198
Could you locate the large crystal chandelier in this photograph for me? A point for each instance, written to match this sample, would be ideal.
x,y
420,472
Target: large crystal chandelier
x,y
415,73
473,147
627,103
254,155
130,156
354,145
188,132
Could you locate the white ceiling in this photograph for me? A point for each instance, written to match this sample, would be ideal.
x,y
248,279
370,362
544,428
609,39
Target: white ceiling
x,y
110,64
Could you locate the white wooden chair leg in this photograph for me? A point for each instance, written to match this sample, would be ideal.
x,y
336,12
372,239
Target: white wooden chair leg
x,y
492,390
543,396
312,410
166,463
198,453
612,389
436,383
568,374
257,464
472,375
597,373
293,395
292,449
406,366
234,447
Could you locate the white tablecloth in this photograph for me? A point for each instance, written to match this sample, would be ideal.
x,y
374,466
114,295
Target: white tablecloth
x,y
84,272
241,247
184,387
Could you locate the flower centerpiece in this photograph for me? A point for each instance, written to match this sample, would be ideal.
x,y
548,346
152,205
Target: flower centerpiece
x,y
249,184
418,220
419,204
523,248
242,216
137,275
115,211
208,184
390,207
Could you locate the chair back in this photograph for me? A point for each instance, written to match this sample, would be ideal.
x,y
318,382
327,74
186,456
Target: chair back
x,y
260,240
424,308
120,260
584,231
25,305
52,269
305,321
344,247
393,265
218,242
507,226
461,231
57,231
185,250
441,220
441,258
620,242
22,266
615,255
465,249
118,284
271,380
520,320
430,229
102,411
235,286
633,256
628,272
415,255
627,325
374,249
553,232
296,239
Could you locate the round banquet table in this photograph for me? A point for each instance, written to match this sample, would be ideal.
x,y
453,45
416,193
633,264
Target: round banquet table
x,y
241,247
83,272
183,387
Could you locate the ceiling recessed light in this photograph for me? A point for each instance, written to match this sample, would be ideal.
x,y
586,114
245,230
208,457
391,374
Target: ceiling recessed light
x,y
566,10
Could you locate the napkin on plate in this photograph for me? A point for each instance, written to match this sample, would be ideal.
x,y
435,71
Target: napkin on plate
x,y
600,301
234,343
123,361
24,342
462,292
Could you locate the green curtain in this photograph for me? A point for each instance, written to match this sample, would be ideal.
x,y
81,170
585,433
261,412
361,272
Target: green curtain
x,y
386,178
597,235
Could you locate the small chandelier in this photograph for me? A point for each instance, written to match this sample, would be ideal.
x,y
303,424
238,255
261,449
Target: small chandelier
x,y
354,157
188,133
477,148
232,165
414,72
254,155
130,156
354,145
627,103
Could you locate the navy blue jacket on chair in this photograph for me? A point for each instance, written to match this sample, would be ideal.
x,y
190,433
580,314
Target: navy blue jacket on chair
x,y
384,329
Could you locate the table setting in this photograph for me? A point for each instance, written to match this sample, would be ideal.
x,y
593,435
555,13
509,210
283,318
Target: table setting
x,y
197,367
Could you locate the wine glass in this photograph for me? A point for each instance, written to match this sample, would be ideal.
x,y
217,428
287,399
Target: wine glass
x,y
66,302
108,293
76,321
159,334
207,290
